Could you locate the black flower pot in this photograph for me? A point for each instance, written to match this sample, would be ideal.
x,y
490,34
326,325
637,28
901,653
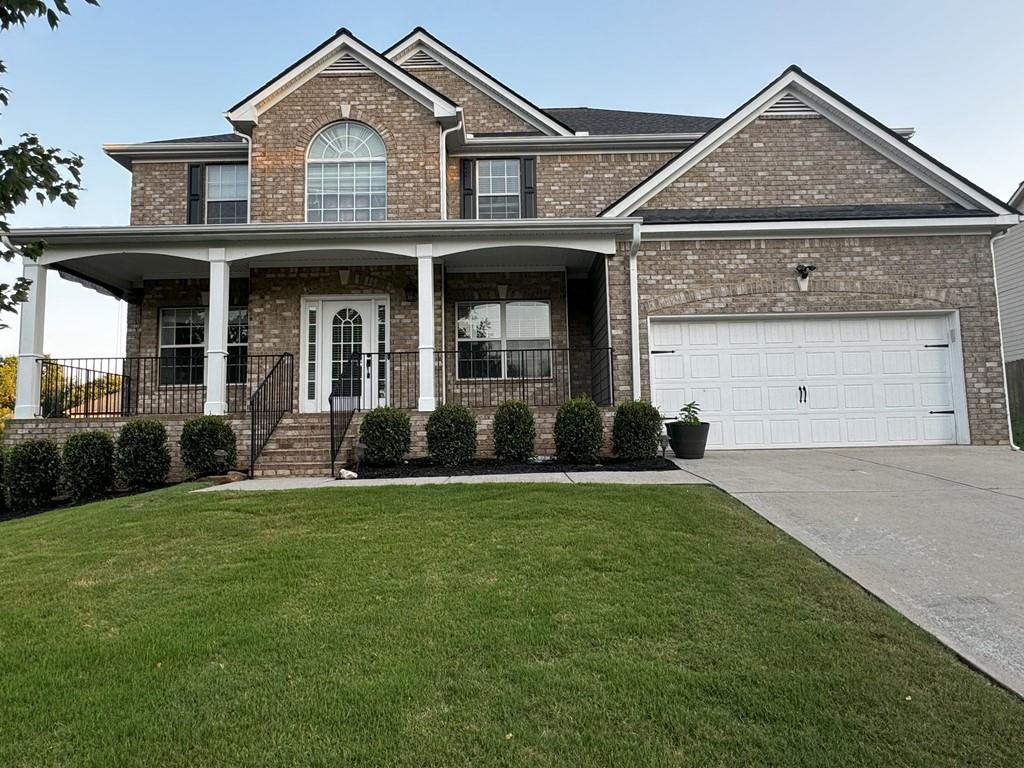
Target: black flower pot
x,y
688,441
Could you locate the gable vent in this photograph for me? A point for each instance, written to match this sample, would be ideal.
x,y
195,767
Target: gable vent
x,y
419,60
790,106
346,64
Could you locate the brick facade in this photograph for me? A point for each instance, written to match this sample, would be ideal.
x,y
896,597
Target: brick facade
x,y
159,193
481,113
778,161
868,274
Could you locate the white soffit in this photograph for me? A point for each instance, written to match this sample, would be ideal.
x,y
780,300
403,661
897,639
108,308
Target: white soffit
x,y
793,88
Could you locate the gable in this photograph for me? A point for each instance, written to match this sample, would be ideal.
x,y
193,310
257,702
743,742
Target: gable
x,y
814,123
793,157
340,55
489,106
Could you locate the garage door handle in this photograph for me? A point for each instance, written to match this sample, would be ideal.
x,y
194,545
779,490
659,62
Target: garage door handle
x,y
663,352
803,394
931,346
941,411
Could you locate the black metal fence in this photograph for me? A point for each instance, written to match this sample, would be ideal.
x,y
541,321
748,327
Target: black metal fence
x,y
269,402
479,376
168,384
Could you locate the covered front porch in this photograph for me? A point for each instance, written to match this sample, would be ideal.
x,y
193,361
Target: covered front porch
x,y
261,321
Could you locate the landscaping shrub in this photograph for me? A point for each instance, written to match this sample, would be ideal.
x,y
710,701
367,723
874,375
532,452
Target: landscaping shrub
x,y
578,431
200,439
88,465
635,430
386,433
514,431
451,435
142,459
33,474
3,483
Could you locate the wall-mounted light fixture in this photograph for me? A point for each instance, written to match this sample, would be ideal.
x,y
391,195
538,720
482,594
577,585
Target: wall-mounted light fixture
x,y
502,292
411,292
343,275
803,275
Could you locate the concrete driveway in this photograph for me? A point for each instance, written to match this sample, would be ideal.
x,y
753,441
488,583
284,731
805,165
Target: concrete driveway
x,y
936,532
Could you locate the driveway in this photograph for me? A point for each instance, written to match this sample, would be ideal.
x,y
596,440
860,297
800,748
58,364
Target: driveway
x,y
936,532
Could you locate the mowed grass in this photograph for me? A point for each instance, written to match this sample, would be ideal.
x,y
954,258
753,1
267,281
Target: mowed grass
x,y
463,626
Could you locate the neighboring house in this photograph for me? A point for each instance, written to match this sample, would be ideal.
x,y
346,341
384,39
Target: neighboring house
x,y
403,228
1009,256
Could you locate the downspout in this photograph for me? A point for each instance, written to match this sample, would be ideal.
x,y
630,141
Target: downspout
x,y
444,165
634,311
1002,351
248,173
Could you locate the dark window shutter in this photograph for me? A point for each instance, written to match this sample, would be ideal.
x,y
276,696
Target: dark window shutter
x,y
467,180
528,170
195,194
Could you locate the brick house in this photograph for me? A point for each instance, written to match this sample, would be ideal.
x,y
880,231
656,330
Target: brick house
x,y
400,227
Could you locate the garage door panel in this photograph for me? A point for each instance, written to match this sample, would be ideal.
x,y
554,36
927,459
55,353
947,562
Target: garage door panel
x,y
810,381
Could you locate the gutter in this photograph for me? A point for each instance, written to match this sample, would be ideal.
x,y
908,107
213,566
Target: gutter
x,y
444,163
634,311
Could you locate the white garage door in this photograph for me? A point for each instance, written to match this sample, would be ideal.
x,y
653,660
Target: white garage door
x,y
810,381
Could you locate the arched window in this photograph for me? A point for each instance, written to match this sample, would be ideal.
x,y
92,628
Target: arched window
x,y
346,175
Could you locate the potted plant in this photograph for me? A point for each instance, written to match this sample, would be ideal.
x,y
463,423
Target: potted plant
x,y
688,436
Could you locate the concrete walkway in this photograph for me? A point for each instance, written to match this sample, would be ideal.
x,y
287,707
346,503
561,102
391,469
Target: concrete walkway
x,y
936,532
622,478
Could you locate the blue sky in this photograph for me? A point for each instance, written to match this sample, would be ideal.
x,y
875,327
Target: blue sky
x,y
139,71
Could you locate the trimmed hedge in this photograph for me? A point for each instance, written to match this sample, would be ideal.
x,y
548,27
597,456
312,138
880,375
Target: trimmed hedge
x,y
201,438
142,458
451,435
33,474
514,431
578,431
635,430
88,465
386,434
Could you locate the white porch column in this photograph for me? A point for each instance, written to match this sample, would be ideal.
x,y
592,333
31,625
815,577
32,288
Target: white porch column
x,y
217,335
425,313
30,344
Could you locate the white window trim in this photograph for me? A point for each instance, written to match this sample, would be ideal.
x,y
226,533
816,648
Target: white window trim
x,y
503,340
478,194
206,191
160,346
308,161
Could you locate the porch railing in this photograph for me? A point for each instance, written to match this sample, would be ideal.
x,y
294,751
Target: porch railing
x,y
478,377
131,386
269,402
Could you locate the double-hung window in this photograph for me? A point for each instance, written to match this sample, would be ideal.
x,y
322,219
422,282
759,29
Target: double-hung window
x,y
503,339
183,345
227,194
498,189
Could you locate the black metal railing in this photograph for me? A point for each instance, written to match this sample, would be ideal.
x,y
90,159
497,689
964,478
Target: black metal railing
x,y
269,402
480,377
172,383
342,410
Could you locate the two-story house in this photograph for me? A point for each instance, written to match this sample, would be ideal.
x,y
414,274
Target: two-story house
x,y
400,227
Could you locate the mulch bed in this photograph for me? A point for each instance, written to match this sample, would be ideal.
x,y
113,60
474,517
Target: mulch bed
x,y
427,468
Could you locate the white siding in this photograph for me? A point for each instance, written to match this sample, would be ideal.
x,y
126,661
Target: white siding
x,y
1010,277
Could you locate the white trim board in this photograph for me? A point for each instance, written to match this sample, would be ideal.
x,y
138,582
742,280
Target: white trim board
x,y
831,107
419,40
828,228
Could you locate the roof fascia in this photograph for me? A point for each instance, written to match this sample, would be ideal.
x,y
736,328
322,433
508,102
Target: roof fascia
x,y
515,103
247,111
946,225
126,154
830,106
1017,198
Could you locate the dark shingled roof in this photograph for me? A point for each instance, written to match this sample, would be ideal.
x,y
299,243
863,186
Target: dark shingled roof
x,y
617,122
804,213
219,138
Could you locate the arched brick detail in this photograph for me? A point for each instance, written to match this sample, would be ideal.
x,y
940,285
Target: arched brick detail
x,y
940,297
317,123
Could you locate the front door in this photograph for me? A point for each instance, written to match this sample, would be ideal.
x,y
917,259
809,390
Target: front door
x,y
346,347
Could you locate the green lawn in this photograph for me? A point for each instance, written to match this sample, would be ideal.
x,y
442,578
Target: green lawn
x,y
463,626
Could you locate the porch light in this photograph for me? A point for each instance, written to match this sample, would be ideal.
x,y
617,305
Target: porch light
x,y
411,292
